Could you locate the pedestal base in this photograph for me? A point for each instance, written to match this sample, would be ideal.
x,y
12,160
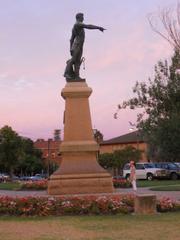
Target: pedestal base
x,y
79,171
80,184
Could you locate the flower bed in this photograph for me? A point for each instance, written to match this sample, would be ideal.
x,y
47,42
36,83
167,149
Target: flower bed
x,y
34,185
167,205
121,183
58,206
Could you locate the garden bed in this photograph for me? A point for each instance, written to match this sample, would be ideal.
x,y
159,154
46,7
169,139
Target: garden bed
x,y
28,185
81,205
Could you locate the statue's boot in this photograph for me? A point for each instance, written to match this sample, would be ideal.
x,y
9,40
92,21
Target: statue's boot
x,y
69,73
77,77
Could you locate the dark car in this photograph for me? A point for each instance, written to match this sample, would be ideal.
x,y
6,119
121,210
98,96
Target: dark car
x,y
172,170
24,178
36,178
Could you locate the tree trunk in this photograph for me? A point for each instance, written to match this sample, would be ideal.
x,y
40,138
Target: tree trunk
x,y
11,173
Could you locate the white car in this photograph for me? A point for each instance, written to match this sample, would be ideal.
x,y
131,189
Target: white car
x,y
178,164
145,171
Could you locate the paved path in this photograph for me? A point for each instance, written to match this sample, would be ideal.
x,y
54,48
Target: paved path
x,y
11,193
174,195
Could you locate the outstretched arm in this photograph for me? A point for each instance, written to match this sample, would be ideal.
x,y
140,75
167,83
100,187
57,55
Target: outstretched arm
x,y
89,26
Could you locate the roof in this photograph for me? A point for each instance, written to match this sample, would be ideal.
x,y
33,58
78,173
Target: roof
x,y
132,137
45,144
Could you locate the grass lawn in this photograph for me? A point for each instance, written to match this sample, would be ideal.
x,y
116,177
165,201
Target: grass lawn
x,y
166,188
10,186
157,183
118,227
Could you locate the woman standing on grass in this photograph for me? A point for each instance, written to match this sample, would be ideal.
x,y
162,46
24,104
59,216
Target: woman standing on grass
x,y
133,175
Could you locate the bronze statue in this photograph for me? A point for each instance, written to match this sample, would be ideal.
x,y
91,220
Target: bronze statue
x,y
76,48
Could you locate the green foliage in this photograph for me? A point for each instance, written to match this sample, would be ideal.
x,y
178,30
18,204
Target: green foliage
x,y
31,160
10,148
160,102
98,136
18,154
106,160
119,158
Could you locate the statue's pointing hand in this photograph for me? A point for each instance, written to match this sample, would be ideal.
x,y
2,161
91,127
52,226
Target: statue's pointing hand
x,y
102,29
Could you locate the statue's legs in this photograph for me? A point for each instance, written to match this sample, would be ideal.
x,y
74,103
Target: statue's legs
x,y
69,72
77,63
73,65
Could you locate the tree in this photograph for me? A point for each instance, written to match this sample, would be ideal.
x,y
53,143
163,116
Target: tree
x,y
119,158
98,136
17,154
123,156
160,101
31,159
106,160
10,149
170,25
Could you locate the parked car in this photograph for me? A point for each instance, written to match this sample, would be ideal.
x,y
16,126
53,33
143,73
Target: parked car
x,y
24,178
42,175
178,164
145,171
172,170
4,177
36,178
15,178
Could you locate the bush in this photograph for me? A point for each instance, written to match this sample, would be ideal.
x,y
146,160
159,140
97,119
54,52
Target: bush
x,y
57,206
34,185
81,205
166,205
121,183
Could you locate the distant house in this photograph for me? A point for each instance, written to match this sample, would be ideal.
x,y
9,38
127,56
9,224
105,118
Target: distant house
x,y
50,149
133,139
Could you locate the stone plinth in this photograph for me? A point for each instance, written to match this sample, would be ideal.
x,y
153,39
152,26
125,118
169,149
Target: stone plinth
x,y
145,204
79,171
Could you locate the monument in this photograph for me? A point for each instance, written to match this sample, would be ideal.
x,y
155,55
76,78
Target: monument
x,y
79,171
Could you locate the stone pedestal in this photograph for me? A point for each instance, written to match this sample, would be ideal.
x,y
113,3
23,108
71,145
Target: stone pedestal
x,y
79,171
145,204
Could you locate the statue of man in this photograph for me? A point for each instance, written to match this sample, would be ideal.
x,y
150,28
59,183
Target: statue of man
x,y
76,48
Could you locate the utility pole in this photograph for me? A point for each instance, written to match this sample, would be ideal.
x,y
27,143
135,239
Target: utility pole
x,y
48,156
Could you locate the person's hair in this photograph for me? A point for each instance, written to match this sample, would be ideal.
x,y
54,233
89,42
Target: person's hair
x,y
79,15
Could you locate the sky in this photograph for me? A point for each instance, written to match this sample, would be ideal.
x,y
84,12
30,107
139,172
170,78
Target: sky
x,y
34,47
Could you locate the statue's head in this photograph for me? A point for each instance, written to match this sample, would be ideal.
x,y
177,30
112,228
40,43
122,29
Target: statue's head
x,y
80,17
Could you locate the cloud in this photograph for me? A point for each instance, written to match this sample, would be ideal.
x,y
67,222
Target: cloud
x,y
15,82
23,83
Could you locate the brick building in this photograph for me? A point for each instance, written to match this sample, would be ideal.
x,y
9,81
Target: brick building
x,y
133,139
50,147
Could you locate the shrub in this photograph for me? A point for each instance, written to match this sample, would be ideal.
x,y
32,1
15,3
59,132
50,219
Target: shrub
x,y
121,183
166,204
46,206
81,205
34,185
